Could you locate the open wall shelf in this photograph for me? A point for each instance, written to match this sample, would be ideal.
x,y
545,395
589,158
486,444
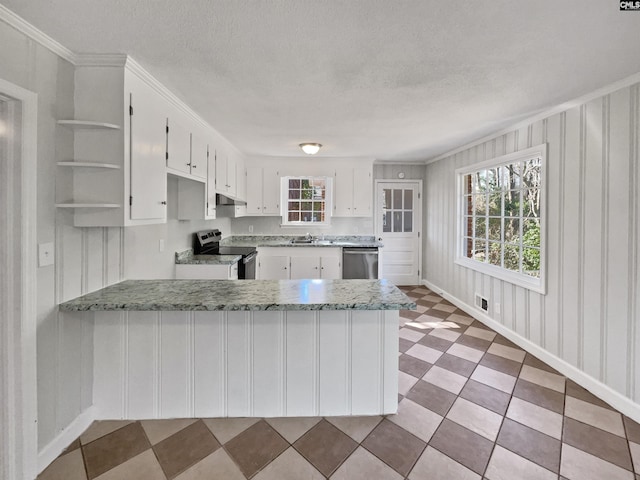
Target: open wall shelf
x,y
87,205
88,164
88,125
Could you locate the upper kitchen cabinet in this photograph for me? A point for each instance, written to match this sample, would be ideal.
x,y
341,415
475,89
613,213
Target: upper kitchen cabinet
x,y
229,168
353,192
118,169
263,191
186,146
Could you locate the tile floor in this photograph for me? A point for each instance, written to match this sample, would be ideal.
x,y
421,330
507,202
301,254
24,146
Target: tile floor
x,y
472,405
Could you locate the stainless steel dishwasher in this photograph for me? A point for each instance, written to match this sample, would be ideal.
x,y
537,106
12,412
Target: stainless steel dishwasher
x,y
360,262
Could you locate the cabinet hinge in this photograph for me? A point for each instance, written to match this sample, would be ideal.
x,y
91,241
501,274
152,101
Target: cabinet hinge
x,y
167,128
166,155
418,196
130,110
418,234
130,200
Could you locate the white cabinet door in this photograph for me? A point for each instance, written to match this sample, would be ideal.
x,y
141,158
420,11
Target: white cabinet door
x,y
273,267
221,172
254,191
199,148
271,191
330,268
232,185
305,267
362,192
211,183
343,197
148,169
178,143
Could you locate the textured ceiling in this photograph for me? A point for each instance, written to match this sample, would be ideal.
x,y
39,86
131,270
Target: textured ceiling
x,y
391,79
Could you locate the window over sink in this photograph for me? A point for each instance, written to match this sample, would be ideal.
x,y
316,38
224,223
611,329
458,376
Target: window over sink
x,y
306,200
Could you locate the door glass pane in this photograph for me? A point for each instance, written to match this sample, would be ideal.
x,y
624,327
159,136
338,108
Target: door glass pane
x,y
408,199
397,199
386,222
397,221
408,221
386,198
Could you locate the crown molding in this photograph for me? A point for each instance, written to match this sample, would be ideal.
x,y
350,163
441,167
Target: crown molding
x,y
100,59
563,107
32,32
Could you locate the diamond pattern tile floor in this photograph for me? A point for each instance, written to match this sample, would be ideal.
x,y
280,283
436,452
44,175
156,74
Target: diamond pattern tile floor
x,y
473,405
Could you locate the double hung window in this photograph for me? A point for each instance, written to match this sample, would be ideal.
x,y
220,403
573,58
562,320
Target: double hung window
x,y
307,200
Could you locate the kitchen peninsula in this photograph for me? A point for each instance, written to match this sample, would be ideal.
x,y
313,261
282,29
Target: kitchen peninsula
x,y
233,348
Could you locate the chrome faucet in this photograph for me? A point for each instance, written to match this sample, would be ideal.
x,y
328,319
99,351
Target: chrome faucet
x,y
308,236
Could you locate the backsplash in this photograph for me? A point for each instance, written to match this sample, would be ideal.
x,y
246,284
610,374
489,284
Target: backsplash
x,y
271,226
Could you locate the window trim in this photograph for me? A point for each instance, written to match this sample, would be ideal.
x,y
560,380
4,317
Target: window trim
x,y
531,283
284,201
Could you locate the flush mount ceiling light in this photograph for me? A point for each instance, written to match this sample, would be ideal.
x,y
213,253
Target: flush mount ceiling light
x,y
310,148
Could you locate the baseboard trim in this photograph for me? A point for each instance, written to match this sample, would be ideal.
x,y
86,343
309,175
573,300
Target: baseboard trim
x,y
618,401
50,452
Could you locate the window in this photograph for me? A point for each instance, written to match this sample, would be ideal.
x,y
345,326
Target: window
x,y
306,200
501,227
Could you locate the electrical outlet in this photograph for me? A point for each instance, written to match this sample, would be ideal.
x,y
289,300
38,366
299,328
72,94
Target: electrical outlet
x,y
496,308
161,245
250,228
45,254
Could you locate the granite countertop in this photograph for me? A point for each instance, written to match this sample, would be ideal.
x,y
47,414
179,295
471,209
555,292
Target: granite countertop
x,y
188,295
286,241
188,258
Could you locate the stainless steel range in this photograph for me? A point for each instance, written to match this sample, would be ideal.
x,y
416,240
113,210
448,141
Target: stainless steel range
x,y
207,242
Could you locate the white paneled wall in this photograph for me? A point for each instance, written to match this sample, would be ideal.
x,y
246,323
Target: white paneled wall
x,y
589,316
241,364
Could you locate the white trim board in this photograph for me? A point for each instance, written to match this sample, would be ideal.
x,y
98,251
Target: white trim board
x,y
618,401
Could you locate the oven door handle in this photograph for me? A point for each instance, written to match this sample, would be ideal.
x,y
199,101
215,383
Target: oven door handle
x,y
250,257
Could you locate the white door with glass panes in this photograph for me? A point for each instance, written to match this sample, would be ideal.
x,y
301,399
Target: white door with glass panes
x,y
398,224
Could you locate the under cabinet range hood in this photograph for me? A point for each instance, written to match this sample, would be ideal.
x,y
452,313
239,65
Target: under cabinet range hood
x,y
222,200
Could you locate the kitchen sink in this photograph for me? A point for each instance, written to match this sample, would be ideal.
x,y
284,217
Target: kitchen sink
x,y
309,241
296,241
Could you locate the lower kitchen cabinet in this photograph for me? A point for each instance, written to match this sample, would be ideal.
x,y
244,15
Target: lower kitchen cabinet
x,y
272,267
207,272
282,263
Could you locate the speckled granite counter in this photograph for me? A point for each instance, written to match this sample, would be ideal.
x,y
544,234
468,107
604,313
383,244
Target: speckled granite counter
x,y
188,258
286,241
256,295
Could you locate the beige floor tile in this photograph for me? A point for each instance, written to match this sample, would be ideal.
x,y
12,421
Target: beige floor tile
x,y
444,308
591,414
101,428
507,352
432,298
462,319
476,418
536,417
216,466
66,467
542,378
480,333
142,467
635,455
446,333
427,354
446,379
494,378
410,335
416,419
465,352
356,427
421,308
158,430
405,382
290,465
225,429
292,428
578,465
506,465
434,465
362,465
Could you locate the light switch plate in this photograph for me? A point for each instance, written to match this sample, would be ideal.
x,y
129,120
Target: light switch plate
x,y
45,254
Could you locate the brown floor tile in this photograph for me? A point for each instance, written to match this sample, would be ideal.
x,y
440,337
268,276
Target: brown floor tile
x,y
599,443
474,342
185,448
404,345
254,448
456,364
113,449
530,444
462,312
409,314
537,363
541,396
434,398
435,342
576,391
501,364
325,447
481,325
395,446
74,445
413,366
633,429
486,396
425,303
503,341
447,302
462,445
437,313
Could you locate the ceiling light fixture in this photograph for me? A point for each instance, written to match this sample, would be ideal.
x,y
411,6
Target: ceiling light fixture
x,y
310,148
